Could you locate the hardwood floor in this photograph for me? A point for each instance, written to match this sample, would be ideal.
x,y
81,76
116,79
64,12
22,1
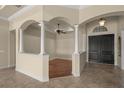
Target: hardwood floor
x,y
60,68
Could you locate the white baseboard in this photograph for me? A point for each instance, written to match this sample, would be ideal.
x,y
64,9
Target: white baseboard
x,y
32,76
63,58
3,67
11,66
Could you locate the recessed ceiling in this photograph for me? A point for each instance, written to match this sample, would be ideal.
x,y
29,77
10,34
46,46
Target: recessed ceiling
x,y
9,10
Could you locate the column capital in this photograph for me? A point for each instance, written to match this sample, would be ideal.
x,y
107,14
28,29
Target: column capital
x,y
76,25
41,22
19,29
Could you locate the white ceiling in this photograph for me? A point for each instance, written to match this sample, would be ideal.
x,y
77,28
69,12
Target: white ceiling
x,y
10,10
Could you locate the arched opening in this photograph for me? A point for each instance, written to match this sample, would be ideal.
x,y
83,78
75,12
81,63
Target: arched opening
x,y
30,37
60,47
31,58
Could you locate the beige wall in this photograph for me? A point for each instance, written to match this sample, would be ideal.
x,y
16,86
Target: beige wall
x,y
120,29
12,48
82,38
4,43
121,24
50,44
59,46
65,45
31,40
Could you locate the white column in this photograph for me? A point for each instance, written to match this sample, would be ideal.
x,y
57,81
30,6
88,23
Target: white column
x,y
76,55
44,56
76,39
21,40
42,50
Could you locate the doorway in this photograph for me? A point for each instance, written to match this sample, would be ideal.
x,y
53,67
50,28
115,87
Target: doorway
x,y
12,48
101,49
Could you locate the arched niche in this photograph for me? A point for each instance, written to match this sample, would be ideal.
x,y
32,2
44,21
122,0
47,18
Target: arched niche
x,y
29,37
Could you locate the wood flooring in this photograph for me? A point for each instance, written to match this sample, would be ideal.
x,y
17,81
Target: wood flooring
x,y
60,68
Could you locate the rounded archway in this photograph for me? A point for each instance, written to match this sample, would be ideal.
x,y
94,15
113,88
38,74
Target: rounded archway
x,y
59,46
114,25
29,36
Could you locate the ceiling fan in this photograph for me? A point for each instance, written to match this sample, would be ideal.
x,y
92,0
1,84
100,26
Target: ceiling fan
x,y
18,6
60,31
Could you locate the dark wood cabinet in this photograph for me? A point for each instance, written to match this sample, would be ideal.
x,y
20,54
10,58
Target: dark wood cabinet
x,y
101,49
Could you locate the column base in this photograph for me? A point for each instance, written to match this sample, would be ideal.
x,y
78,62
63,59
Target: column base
x,y
45,67
76,64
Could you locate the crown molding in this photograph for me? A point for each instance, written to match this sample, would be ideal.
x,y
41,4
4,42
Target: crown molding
x,y
29,7
20,12
78,7
84,6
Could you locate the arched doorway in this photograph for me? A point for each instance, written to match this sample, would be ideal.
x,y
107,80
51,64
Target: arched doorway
x,y
60,46
112,24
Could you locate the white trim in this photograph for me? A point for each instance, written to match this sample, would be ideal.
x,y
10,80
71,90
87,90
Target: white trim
x,y
3,67
8,48
100,33
3,18
32,76
11,66
76,39
62,58
20,40
78,7
42,39
23,10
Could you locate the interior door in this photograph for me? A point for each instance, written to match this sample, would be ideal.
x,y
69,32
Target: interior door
x,y
101,49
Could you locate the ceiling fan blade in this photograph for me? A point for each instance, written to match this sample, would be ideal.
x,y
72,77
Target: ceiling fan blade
x,y
18,6
63,32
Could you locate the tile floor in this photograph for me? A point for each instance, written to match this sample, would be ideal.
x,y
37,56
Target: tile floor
x,y
93,76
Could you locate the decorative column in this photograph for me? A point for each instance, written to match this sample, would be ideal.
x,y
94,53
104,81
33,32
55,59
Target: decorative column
x,y
76,39
42,50
76,55
21,40
44,56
